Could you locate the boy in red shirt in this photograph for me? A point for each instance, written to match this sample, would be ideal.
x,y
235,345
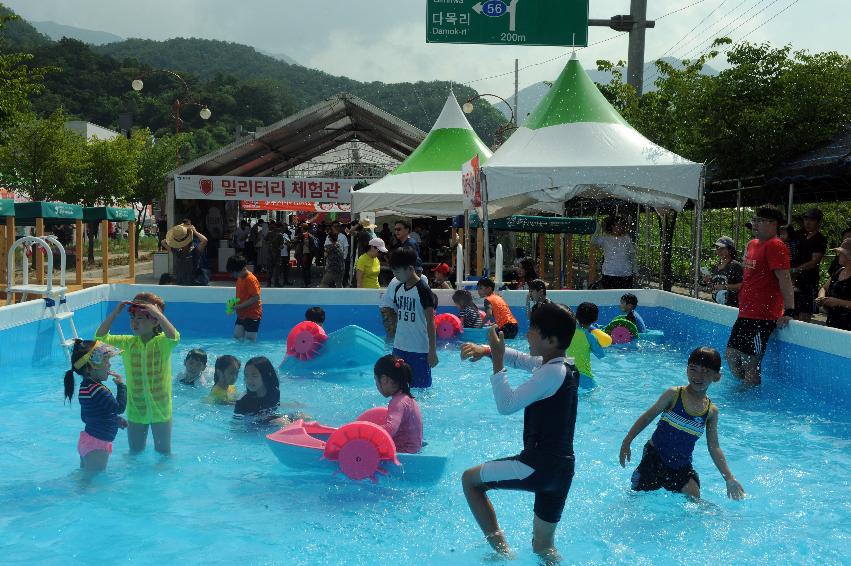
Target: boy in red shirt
x,y
766,299
249,307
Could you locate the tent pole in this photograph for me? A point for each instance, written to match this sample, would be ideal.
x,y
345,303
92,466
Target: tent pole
x,y
569,278
104,236
664,222
791,199
557,261
487,252
738,214
78,225
466,244
698,240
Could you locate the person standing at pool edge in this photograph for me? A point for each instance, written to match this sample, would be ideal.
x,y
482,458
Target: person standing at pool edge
x,y
766,298
549,399
411,303
686,411
147,361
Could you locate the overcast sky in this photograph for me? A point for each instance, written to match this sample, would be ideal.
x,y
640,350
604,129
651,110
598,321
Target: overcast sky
x,y
385,39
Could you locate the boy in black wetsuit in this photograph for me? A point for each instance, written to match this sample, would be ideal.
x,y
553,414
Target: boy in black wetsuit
x,y
545,466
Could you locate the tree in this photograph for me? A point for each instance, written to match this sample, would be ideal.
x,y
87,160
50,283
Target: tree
x,y
41,158
155,158
18,81
769,105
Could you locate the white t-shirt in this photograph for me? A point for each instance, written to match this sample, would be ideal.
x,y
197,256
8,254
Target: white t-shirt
x,y
410,305
618,254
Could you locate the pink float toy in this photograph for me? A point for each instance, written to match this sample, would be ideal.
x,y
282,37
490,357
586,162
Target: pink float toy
x,y
377,415
359,448
305,340
447,325
621,335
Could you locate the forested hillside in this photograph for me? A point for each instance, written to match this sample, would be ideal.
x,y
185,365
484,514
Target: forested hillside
x,y
243,88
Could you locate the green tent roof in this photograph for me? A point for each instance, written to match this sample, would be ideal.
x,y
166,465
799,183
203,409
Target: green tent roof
x,y
95,213
451,143
539,224
7,208
573,98
54,212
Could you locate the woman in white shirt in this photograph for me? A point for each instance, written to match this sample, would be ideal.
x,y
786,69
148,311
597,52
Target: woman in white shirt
x,y
618,254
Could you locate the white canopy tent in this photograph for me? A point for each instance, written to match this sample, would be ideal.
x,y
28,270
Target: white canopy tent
x,y
428,182
576,144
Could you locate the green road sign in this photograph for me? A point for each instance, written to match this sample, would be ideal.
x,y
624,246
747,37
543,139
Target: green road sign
x,y
508,22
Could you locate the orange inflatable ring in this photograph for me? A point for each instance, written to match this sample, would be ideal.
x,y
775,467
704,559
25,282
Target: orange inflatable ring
x,y
447,325
305,340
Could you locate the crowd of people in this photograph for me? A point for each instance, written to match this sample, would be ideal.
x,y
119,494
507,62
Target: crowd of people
x,y
773,281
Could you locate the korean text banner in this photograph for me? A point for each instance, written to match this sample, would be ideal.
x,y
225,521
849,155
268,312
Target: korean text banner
x,y
472,183
202,187
295,206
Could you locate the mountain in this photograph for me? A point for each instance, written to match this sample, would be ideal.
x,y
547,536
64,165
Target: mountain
x,y
416,103
534,93
93,37
280,57
19,35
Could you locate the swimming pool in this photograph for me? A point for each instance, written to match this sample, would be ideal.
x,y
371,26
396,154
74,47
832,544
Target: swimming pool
x,y
224,497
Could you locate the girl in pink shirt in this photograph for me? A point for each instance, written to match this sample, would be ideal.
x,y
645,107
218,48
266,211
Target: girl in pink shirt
x,y
404,422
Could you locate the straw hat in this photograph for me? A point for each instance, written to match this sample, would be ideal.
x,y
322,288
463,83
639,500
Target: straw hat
x,y
367,223
178,237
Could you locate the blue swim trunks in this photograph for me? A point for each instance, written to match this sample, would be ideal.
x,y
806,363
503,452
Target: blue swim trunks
x,y
419,365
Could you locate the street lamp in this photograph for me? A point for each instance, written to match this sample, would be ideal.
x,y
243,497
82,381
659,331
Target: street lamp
x,y
467,107
185,99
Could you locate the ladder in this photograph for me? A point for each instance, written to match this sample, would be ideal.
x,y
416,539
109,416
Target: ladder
x,y
54,296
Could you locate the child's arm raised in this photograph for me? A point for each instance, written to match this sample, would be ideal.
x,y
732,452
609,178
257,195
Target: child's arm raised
x,y
104,327
666,400
167,327
734,488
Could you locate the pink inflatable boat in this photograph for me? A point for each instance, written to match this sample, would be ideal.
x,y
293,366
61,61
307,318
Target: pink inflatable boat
x,y
360,449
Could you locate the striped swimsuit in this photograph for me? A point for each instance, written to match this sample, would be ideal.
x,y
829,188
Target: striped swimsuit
x,y
677,432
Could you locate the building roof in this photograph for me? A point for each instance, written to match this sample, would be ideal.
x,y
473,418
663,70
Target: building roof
x,y
296,139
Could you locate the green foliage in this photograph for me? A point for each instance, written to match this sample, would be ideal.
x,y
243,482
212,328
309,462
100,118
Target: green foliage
x,y
416,103
18,80
41,157
768,106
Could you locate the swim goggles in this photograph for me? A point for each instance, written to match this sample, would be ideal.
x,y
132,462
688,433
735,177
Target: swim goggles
x,y
97,355
135,308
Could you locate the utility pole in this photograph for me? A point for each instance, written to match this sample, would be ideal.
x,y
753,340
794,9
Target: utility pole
x,y
636,23
516,83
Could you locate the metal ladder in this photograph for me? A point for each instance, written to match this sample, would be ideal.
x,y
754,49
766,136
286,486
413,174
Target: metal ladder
x,y
54,296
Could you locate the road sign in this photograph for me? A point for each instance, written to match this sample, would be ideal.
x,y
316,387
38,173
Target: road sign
x,y
508,22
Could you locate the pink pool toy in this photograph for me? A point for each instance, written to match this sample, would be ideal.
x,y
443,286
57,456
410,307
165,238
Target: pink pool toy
x,y
305,340
621,335
360,449
377,415
447,325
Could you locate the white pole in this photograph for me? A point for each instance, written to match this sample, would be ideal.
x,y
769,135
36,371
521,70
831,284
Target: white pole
x,y
791,199
459,266
698,240
497,269
487,263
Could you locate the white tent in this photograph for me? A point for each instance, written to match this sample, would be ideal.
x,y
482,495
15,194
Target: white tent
x,y
428,182
576,144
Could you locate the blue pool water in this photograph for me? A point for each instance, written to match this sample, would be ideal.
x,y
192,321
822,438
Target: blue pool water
x,y
224,498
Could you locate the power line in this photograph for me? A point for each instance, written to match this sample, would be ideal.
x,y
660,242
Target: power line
x,y
680,9
703,48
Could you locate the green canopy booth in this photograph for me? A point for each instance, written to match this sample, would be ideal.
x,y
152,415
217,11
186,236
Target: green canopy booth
x,y
105,215
36,213
7,233
541,225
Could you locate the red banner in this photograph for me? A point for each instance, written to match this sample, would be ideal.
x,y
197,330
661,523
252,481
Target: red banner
x,y
294,206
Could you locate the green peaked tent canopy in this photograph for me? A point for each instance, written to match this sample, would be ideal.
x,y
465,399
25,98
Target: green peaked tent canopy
x,y
576,144
428,182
